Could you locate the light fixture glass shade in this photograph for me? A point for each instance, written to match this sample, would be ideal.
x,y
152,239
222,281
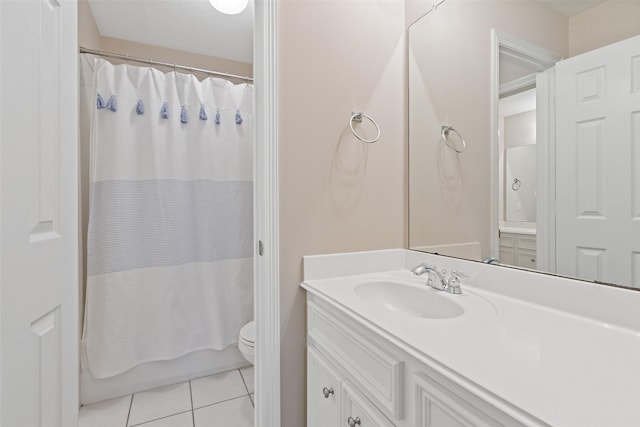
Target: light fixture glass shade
x,y
229,7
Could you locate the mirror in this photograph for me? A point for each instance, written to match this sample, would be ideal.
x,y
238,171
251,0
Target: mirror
x,y
521,86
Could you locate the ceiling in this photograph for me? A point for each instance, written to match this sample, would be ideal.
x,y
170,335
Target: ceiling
x,y
187,25
571,8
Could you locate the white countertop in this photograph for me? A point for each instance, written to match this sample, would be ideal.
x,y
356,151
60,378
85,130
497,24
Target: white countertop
x,y
562,368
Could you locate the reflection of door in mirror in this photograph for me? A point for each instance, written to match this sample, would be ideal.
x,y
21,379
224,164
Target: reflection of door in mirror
x,y
597,181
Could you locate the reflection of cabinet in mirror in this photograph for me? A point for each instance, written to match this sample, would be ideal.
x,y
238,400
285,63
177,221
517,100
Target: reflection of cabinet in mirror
x,y
518,249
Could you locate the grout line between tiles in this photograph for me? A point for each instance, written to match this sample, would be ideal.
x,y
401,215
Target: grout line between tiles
x,y
129,413
161,418
244,381
193,415
222,401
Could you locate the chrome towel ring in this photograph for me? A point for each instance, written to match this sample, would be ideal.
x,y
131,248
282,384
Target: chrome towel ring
x,y
515,186
357,117
444,131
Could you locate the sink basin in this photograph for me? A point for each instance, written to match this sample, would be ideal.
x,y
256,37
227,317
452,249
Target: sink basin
x,y
405,299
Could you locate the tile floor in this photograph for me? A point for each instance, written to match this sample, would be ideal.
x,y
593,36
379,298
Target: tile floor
x,y
218,400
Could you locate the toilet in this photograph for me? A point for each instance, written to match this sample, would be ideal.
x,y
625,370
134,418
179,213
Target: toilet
x,y
247,341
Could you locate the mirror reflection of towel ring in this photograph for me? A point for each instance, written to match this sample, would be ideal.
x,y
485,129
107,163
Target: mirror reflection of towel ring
x,y
444,131
515,185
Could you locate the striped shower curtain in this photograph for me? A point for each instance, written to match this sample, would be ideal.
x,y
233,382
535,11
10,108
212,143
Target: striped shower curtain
x,y
169,245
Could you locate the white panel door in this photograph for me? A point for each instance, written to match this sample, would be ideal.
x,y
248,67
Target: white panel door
x,y
597,164
38,213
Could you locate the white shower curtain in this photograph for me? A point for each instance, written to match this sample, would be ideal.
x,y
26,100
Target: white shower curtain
x,y
169,247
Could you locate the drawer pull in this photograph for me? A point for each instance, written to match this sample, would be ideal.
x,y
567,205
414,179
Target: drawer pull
x,y
327,391
353,422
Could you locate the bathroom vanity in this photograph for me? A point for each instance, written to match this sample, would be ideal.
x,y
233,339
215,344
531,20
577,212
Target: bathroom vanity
x,y
515,348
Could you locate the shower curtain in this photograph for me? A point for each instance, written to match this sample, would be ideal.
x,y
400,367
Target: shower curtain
x,y
169,245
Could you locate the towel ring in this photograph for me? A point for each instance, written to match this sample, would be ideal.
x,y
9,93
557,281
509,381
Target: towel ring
x,y
444,131
357,117
515,185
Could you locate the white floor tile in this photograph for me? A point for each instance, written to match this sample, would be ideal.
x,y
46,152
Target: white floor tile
x,y
181,420
108,413
247,374
237,413
159,403
216,388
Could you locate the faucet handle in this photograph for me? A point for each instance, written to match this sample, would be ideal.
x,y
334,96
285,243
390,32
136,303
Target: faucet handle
x,y
458,274
453,286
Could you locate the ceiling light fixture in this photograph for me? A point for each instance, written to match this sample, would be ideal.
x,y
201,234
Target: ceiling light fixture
x,y
229,7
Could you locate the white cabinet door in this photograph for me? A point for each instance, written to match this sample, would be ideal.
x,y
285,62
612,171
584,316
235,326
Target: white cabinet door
x,y
323,392
358,411
597,164
439,407
38,213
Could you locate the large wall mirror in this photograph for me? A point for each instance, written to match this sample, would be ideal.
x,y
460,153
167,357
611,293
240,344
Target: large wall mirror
x,y
524,135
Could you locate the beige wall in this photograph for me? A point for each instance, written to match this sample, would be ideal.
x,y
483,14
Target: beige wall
x,y
336,194
162,54
606,23
89,37
88,34
450,195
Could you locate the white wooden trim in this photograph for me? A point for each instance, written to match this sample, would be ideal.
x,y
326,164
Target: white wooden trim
x,y
533,54
546,143
1,282
266,230
494,199
524,82
526,51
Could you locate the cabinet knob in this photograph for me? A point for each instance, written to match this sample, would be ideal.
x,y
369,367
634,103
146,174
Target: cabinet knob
x,y
353,422
327,391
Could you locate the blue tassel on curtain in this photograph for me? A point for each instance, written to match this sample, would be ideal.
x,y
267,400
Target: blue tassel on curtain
x,y
112,104
100,102
140,107
238,117
218,117
203,114
183,115
164,112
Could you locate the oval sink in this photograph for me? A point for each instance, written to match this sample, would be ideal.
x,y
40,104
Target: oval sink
x,y
408,300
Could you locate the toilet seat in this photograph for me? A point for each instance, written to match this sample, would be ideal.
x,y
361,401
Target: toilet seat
x,y
248,334
247,341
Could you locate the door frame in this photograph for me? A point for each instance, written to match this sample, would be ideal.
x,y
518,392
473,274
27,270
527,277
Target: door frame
x,y
537,56
266,216
546,171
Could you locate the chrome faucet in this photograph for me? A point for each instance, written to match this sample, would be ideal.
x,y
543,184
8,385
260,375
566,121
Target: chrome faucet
x,y
451,285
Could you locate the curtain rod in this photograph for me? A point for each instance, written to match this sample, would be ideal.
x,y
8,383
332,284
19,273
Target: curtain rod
x,y
164,64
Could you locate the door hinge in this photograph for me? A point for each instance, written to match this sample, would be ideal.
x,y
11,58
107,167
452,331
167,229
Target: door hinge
x,y
260,248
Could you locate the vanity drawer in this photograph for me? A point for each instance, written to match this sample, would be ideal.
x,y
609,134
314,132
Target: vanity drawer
x,y
378,373
437,406
527,242
507,240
